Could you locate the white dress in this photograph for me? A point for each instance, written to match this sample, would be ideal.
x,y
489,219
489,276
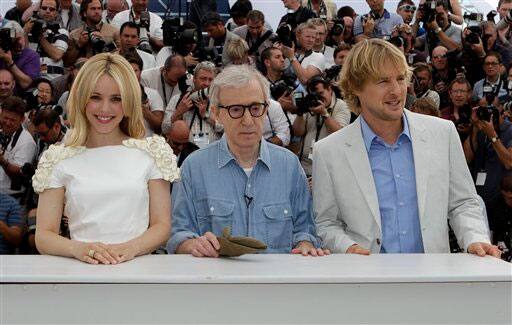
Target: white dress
x,y
106,188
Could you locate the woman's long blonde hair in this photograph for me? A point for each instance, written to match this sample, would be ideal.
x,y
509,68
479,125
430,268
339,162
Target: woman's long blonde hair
x,y
122,72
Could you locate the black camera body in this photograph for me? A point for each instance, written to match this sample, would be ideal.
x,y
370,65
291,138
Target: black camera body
x,y
429,11
486,113
7,36
338,28
332,73
41,27
98,45
305,104
284,35
177,36
489,93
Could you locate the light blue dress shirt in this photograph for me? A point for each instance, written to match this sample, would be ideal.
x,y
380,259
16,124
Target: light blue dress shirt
x,y
395,181
273,204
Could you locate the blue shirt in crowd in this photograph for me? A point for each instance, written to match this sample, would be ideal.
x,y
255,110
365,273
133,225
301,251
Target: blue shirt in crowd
x,y
11,214
395,181
383,26
272,205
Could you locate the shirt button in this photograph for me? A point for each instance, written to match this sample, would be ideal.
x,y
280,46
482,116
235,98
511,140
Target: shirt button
x,y
285,211
378,241
401,204
249,185
397,175
404,232
211,209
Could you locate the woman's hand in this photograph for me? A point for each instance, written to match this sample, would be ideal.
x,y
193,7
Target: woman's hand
x,y
124,251
95,253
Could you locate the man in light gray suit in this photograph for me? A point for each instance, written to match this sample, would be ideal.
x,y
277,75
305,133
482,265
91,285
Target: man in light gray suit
x,y
389,182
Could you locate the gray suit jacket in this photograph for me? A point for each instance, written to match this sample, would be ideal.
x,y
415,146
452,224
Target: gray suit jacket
x,y
345,199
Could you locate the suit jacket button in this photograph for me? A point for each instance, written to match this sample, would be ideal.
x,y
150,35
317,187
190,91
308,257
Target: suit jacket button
x,y
378,241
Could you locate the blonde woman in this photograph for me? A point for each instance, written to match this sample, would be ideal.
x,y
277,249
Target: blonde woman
x,y
111,183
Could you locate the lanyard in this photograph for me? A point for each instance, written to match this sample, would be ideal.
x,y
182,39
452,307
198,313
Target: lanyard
x,y
164,91
196,113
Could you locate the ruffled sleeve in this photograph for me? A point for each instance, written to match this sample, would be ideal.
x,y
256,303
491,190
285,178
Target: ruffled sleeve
x,y
161,152
46,175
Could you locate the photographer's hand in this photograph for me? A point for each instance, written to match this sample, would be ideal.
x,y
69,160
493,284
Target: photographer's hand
x,y
28,26
83,39
433,25
6,57
191,60
287,103
320,110
288,52
368,26
183,106
478,48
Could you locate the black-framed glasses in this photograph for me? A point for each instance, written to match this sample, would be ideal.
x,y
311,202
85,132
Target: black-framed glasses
x,y
237,111
52,9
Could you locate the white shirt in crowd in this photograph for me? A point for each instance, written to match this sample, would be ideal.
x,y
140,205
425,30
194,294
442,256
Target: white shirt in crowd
x,y
275,123
24,151
155,22
156,104
148,60
152,78
328,53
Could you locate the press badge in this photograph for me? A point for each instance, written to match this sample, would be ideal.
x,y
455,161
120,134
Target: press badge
x,y
201,140
480,178
310,156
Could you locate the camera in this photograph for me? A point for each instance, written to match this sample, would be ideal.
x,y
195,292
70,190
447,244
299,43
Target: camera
x,y
372,14
489,93
177,36
287,84
332,73
98,45
305,104
42,28
491,14
474,17
199,95
338,28
143,34
429,11
284,35
486,113
7,36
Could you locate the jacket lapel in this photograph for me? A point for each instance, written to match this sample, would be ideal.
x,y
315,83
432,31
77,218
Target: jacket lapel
x,y
357,157
422,155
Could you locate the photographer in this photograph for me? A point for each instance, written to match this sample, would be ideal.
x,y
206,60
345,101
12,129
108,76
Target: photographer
x,y
112,8
48,39
193,108
152,104
93,37
49,129
459,110
453,8
219,35
500,217
7,84
321,36
17,147
412,55
185,46
422,78
169,80
296,14
325,114
20,60
257,36
129,38
150,24
324,9
492,81
406,10
377,23
488,149
440,31
495,41
304,61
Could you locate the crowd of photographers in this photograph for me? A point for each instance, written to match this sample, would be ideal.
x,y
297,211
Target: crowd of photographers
x,y
462,64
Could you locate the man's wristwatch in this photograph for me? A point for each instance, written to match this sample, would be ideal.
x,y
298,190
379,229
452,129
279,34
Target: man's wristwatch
x,y
494,139
438,30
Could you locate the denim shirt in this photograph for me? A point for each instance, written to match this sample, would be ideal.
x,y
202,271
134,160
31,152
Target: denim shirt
x,y
273,205
395,181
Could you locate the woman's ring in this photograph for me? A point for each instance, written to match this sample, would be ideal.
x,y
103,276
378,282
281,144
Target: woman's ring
x,y
91,253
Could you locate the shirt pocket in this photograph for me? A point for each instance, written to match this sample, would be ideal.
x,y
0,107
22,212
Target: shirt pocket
x,y
214,215
279,226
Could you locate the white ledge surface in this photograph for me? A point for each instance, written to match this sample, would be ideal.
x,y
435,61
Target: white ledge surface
x,y
258,269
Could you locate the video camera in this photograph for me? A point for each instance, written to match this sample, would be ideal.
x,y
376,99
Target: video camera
x,y
42,28
177,36
7,36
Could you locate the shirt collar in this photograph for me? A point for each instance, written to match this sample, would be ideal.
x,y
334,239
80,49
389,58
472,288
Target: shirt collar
x,y
369,135
386,15
225,155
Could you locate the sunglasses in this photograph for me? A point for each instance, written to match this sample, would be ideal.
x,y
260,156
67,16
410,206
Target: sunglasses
x,y
407,8
52,9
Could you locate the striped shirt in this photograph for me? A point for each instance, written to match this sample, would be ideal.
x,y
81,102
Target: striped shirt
x,y
12,214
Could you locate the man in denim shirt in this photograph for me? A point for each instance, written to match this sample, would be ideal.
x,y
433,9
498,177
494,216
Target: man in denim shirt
x,y
241,181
